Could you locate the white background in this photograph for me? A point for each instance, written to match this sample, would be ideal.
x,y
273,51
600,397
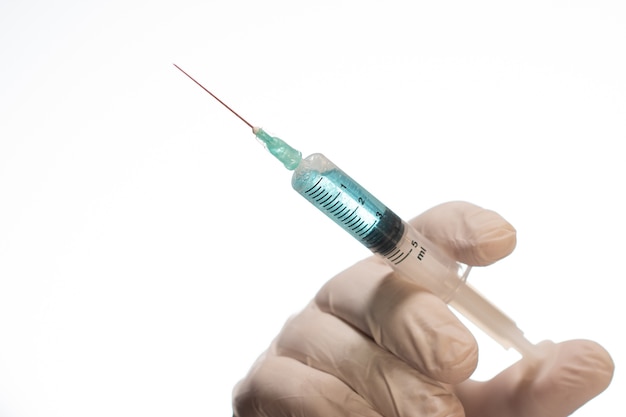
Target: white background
x,y
150,249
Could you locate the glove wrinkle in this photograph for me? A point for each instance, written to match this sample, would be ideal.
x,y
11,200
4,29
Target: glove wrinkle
x,y
402,318
468,233
282,387
575,372
328,344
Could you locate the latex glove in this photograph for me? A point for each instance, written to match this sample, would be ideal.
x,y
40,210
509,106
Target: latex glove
x,y
371,344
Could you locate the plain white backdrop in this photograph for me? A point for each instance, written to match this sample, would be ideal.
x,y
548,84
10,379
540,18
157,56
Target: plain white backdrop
x,y
150,249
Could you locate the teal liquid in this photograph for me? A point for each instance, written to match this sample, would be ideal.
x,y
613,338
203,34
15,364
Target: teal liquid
x,y
348,204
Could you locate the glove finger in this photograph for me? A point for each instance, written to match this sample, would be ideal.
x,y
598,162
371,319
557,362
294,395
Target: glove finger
x,y
468,233
413,324
565,377
394,388
283,387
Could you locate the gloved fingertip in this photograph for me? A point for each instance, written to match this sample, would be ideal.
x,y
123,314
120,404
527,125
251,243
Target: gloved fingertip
x,y
458,359
439,344
574,372
469,233
493,239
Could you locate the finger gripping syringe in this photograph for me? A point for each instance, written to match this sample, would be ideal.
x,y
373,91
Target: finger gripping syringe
x,y
369,221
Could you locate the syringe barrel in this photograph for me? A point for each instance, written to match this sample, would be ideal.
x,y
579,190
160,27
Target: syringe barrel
x,y
369,221
409,253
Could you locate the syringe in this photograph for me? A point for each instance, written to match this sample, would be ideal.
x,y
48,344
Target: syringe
x,y
369,221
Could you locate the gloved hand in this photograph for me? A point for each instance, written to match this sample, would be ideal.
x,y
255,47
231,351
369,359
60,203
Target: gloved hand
x,y
371,344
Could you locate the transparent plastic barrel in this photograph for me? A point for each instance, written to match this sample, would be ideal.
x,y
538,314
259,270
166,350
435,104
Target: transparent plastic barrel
x,y
409,253
369,221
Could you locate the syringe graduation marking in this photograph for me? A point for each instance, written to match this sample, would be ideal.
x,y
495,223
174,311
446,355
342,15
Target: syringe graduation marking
x,y
325,198
331,203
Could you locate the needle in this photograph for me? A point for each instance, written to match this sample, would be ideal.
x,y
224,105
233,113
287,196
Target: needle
x,y
215,97
289,156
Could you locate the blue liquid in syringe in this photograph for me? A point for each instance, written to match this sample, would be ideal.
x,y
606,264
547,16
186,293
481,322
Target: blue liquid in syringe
x,y
350,206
